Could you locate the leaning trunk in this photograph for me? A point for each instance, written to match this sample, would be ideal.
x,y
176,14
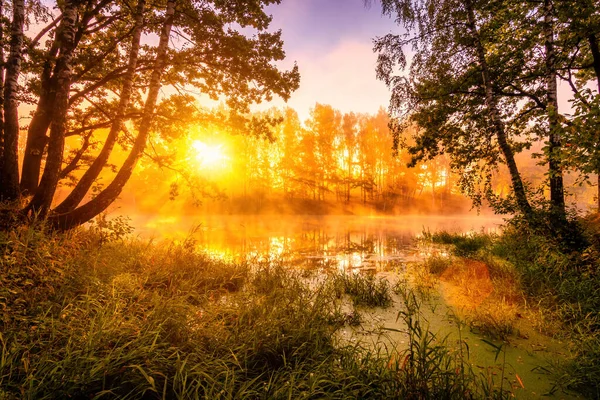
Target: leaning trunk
x,y
497,123
98,204
88,178
557,197
37,140
10,154
42,199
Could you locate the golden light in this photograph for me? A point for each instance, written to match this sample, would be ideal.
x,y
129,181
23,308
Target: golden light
x,y
209,156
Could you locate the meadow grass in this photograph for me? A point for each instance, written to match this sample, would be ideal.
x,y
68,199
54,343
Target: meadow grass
x,y
90,317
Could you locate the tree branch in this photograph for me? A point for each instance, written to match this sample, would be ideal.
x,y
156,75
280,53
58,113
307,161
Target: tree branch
x,y
36,39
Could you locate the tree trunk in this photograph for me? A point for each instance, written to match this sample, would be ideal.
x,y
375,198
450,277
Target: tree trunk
x,y
596,58
497,123
97,205
40,122
557,196
42,199
44,113
1,95
10,165
88,178
36,141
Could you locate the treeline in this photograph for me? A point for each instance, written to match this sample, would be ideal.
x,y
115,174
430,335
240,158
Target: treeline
x,y
331,162
335,157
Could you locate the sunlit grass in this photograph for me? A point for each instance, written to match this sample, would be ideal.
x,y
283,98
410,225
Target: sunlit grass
x,y
463,245
532,275
127,319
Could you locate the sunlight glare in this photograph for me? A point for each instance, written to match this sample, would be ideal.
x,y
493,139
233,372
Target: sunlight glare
x,y
209,156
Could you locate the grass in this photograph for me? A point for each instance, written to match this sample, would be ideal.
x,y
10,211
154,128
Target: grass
x,y
556,275
93,316
435,369
364,289
565,281
462,245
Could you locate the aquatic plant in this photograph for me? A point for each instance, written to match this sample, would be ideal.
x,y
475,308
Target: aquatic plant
x,y
364,289
463,245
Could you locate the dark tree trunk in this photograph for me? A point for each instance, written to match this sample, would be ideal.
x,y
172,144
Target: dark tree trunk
x,y
36,142
97,205
37,138
42,199
1,94
40,122
557,196
88,178
593,41
596,58
10,165
497,123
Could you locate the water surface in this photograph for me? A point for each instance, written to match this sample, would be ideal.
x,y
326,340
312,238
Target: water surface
x,y
348,242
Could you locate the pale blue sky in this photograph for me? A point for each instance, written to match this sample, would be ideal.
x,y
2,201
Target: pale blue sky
x,y
332,41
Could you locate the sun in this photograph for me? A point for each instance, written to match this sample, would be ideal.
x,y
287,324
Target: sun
x,y
209,156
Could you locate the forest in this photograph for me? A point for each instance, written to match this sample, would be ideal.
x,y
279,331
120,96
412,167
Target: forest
x,y
444,246
332,162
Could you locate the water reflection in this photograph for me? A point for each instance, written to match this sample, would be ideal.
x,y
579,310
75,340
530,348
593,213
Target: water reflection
x,y
346,243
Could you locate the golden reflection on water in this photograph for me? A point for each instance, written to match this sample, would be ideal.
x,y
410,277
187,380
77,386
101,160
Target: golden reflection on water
x,y
342,242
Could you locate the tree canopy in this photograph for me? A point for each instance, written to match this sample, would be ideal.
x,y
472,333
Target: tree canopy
x,y
131,68
481,85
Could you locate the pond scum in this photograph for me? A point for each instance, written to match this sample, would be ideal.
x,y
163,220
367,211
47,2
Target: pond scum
x,y
83,317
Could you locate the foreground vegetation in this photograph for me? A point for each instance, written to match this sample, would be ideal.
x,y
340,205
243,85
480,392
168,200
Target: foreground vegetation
x,y
86,315
552,275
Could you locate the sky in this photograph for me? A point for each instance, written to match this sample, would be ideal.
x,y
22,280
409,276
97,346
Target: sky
x,y
332,43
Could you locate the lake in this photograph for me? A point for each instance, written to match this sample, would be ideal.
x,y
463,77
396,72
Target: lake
x,y
347,242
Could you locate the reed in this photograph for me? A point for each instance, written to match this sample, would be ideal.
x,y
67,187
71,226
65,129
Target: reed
x,y
364,289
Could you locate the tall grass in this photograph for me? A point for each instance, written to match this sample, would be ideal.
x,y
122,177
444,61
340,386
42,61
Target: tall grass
x,y
96,317
364,289
564,279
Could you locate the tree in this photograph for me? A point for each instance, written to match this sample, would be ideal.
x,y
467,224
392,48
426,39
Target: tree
x,y
323,127
9,135
289,142
82,214
91,174
452,93
94,73
579,32
349,154
557,197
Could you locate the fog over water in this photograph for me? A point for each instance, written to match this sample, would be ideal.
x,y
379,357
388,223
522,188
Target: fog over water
x,y
346,241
